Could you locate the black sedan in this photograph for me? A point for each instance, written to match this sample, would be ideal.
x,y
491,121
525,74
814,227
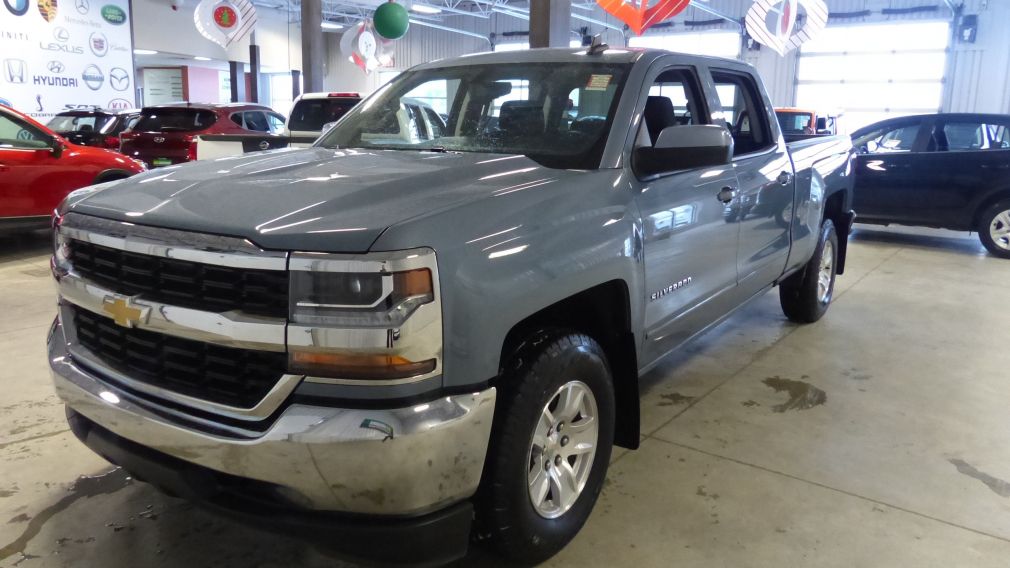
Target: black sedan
x,y
949,171
94,126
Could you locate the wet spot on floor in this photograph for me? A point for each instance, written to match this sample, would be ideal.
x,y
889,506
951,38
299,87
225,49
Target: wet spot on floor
x,y
8,492
674,399
998,486
802,395
83,488
750,403
22,518
36,272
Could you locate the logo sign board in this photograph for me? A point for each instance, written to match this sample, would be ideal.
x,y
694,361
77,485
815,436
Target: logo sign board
x,y
59,54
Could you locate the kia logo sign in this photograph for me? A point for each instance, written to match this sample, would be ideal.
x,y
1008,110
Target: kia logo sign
x,y
99,45
17,7
56,67
119,104
61,35
119,79
93,77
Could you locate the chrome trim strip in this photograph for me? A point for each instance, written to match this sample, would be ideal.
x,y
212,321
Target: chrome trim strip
x,y
229,329
264,408
170,243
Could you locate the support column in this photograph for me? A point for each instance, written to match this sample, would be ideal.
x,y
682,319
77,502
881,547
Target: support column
x,y
312,45
296,88
550,23
236,71
254,72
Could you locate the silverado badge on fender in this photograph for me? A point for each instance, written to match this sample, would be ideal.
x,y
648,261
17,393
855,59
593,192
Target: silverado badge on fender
x,y
671,288
124,312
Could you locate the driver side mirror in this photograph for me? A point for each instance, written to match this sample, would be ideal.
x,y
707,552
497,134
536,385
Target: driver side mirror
x,y
684,148
870,147
56,147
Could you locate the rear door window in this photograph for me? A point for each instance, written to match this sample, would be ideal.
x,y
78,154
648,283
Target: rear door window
x,y
175,120
892,139
961,137
743,112
256,121
276,122
312,114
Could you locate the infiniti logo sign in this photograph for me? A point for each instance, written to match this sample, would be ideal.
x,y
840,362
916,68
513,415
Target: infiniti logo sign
x,y
93,77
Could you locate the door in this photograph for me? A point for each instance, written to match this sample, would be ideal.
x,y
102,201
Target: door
x,y
689,246
29,186
764,172
965,159
887,179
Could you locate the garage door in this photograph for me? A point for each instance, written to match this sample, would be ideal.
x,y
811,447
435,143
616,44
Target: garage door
x,y
874,71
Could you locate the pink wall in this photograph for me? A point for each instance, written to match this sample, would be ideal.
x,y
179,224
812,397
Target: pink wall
x,y
203,85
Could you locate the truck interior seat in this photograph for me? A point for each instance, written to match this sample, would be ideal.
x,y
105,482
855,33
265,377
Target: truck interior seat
x,y
521,118
658,115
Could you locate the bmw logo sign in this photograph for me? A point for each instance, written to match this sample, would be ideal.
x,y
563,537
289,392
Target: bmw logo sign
x,y
93,77
17,7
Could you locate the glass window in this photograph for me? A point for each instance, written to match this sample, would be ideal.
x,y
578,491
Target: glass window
x,y
716,44
795,122
64,123
256,121
515,108
889,140
276,122
871,72
17,134
237,119
999,136
962,136
280,91
742,112
309,115
174,120
672,102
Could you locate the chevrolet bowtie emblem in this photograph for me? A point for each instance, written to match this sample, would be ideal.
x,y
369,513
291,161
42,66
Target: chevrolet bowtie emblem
x,y
124,312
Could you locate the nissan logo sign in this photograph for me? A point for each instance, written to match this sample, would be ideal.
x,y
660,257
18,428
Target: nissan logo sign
x,y
93,77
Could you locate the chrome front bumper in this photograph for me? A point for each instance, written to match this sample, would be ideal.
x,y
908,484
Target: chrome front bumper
x,y
401,461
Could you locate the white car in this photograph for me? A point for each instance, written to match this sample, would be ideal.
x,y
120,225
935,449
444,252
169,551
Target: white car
x,y
312,111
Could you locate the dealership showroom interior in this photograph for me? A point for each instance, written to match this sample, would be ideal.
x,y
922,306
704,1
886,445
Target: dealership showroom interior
x,y
328,283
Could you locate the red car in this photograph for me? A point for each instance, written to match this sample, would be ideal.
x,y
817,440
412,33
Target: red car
x,y
167,134
38,168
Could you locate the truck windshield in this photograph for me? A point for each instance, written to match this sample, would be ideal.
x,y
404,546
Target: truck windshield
x,y
556,114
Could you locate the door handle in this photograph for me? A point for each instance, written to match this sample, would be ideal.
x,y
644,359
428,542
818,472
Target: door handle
x,y
784,178
726,194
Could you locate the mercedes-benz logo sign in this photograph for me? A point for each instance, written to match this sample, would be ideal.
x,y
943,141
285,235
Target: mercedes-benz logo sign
x,y
82,6
99,45
159,139
119,79
56,67
61,35
93,77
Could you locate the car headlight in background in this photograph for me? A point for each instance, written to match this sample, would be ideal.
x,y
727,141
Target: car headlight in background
x,y
364,317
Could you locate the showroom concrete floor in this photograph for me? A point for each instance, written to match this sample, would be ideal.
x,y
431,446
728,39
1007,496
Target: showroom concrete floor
x,y
876,437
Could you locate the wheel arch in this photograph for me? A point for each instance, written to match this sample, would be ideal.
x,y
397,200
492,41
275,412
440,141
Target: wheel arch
x,y
112,174
838,209
987,201
602,312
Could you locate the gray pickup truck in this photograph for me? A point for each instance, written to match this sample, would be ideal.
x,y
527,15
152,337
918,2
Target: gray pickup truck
x,y
400,339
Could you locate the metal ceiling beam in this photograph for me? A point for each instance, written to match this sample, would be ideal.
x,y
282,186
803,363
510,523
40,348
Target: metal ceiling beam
x,y
426,24
706,8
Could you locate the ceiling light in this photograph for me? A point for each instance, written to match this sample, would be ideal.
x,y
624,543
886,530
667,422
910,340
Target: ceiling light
x,y
425,9
331,26
201,58
144,52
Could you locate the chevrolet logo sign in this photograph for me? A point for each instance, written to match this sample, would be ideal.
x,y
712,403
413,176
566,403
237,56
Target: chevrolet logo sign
x,y
124,312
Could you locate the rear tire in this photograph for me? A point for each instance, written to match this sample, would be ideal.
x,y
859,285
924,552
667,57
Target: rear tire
x,y
554,430
806,295
994,229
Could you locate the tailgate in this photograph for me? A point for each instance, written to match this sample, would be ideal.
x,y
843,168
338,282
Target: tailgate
x,y
210,146
157,148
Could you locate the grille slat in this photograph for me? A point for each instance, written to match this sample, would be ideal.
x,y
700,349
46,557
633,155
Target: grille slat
x,y
181,283
236,377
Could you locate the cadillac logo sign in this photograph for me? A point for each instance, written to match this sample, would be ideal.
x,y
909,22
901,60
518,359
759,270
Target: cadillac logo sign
x,y
93,77
99,45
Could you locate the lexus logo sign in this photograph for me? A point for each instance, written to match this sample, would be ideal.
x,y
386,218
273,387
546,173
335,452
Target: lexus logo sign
x,y
61,35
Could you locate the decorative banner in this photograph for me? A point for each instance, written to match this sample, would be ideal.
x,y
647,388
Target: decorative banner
x,y
639,16
57,55
773,22
365,48
224,22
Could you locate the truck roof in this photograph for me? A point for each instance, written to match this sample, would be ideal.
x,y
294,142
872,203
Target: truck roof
x,y
561,55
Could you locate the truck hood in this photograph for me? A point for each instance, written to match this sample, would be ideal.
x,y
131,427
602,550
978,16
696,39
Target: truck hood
x,y
313,199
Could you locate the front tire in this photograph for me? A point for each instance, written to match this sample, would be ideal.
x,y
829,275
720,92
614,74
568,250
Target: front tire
x,y
553,436
806,295
994,229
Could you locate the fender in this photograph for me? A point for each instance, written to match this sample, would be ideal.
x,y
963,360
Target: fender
x,y
111,174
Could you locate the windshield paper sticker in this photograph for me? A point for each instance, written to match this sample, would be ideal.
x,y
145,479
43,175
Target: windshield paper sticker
x,y
598,82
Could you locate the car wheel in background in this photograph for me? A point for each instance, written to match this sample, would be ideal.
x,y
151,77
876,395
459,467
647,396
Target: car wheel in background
x,y
994,229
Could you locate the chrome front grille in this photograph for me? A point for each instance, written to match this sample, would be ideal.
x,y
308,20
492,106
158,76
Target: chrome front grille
x,y
224,375
182,282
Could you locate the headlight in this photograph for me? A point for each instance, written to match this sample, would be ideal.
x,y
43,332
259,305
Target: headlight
x,y
61,249
365,317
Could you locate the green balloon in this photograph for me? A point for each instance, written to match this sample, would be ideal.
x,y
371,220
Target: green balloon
x,y
391,20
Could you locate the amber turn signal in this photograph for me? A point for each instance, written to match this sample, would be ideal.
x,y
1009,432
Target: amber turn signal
x,y
341,366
